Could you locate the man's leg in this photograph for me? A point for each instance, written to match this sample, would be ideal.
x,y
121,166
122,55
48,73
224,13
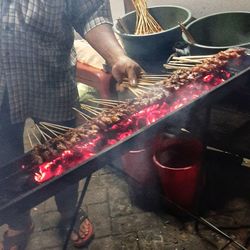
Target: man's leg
x,y
11,146
67,198
11,135
66,201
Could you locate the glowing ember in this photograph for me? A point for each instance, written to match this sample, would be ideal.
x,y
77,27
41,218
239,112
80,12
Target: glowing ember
x,y
68,159
119,131
208,78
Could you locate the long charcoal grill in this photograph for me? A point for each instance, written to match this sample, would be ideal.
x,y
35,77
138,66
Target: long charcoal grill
x,y
19,193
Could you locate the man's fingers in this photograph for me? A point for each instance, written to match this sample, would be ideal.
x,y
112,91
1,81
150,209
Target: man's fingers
x,y
133,74
127,68
133,82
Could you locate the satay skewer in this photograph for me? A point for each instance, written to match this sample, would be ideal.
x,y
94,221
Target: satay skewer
x,y
141,91
57,126
143,77
30,141
144,87
107,104
50,130
93,112
138,91
43,134
92,107
87,117
175,67
180,64
107,100
181,59
197,56
36,137
150,80
54,131
147,85
134,92
148,74
153,78
126,84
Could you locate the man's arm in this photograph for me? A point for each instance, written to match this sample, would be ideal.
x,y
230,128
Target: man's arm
x,y
103,40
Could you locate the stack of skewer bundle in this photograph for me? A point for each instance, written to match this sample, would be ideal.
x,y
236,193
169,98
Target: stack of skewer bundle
x,y
145,23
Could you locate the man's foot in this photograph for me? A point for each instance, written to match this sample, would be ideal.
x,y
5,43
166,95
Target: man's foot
x,y
84,234
83,231
15,239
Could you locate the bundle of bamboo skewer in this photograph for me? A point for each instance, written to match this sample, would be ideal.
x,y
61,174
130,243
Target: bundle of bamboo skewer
x,y
146,82
145,23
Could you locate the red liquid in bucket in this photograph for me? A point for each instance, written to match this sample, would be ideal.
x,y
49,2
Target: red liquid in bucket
x,y
178,165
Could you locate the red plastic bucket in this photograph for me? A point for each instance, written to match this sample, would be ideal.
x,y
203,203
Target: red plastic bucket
x,y
178,165
139,165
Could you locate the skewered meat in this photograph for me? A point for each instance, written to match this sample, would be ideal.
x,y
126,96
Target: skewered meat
x,y
185,76
122,111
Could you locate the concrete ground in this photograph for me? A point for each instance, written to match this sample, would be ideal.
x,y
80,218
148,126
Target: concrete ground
x,y
124,219
118,223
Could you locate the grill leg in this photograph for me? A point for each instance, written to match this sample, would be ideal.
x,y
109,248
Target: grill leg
x,y
78,206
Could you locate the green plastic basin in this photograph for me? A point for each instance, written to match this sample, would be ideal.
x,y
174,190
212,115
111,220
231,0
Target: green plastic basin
x,y
219,31
155,46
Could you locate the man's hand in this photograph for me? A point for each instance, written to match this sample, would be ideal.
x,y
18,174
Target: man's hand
x,y
126,68
103,40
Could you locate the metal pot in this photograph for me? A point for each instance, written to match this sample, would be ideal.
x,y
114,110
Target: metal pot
x,y
218,32
158,45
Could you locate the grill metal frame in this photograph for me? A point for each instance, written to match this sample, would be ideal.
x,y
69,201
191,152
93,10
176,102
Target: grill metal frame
x,y
30,195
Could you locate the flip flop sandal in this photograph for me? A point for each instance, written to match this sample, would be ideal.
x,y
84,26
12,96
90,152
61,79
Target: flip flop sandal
x,y
64,226
20,241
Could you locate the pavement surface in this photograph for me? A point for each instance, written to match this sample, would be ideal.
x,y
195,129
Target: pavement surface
x,y
118,222
126,217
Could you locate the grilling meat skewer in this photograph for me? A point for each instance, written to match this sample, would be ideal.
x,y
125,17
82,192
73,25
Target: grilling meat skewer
x,y
121,111
208,65
99,125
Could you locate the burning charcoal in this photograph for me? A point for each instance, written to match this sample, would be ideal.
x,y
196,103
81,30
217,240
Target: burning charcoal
x,y
116,123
